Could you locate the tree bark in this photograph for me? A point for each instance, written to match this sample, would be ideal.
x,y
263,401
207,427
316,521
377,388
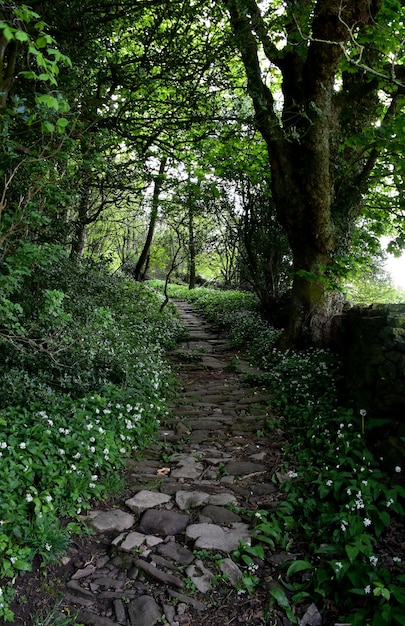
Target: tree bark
x,y
300,145
142,264
80,226
8,58
191,247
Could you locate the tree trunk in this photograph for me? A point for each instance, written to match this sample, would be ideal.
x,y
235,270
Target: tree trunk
x,y
142,264
78,242
8,58
191,247
302,145
80,225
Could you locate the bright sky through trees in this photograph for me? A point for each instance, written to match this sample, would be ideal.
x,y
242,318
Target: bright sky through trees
x,y
396,269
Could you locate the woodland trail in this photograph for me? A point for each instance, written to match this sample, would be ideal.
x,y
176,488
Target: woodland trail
x,y
161,553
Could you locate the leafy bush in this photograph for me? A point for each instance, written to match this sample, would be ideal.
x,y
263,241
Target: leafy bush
x,y
82,386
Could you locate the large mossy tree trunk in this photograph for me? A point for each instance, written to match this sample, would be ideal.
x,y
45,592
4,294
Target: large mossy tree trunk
x,y
317,197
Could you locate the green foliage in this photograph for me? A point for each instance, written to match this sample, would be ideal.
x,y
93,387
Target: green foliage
x,y
371,291
216,305
55,617
83,385
31,32
337,500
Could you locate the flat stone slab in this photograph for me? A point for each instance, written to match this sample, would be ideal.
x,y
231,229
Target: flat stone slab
x,y
177,553
162,523
186,500
211,363
145,499
198,436
158,574
95,620
135,540
242,468
232,571
188,467
113,520
222,499
200,575
144,611
220,515
207,423
132,541
213,537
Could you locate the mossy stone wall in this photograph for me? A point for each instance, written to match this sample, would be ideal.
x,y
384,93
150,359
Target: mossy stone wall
x,y
373,351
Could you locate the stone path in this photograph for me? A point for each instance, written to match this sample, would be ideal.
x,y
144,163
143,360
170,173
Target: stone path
x,y
164,554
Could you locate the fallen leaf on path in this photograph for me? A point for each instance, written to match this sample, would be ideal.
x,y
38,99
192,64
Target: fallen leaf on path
x,y
164,471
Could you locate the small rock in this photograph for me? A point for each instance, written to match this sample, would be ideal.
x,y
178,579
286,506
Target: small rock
x,y
106,582
222,499
312,617
200,575
71,599
152,541
213,537
232,571
220,515
169,612
189,468
176,552
199,606
242,468
102,561
160,560
157,574
84,572
259,456
263,489
191,499
198,436
94,620
113,520
280,557
78,590
120,614
228,480
162,522
118,539
146,500
144,611
133,540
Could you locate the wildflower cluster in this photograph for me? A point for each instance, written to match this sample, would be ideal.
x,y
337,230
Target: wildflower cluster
x,y
338,501
64,439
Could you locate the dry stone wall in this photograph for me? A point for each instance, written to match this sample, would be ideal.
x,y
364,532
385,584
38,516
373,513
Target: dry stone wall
x,y
373,352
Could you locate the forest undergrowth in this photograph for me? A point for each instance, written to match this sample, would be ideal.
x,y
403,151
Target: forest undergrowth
x,y
341,507
84,382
